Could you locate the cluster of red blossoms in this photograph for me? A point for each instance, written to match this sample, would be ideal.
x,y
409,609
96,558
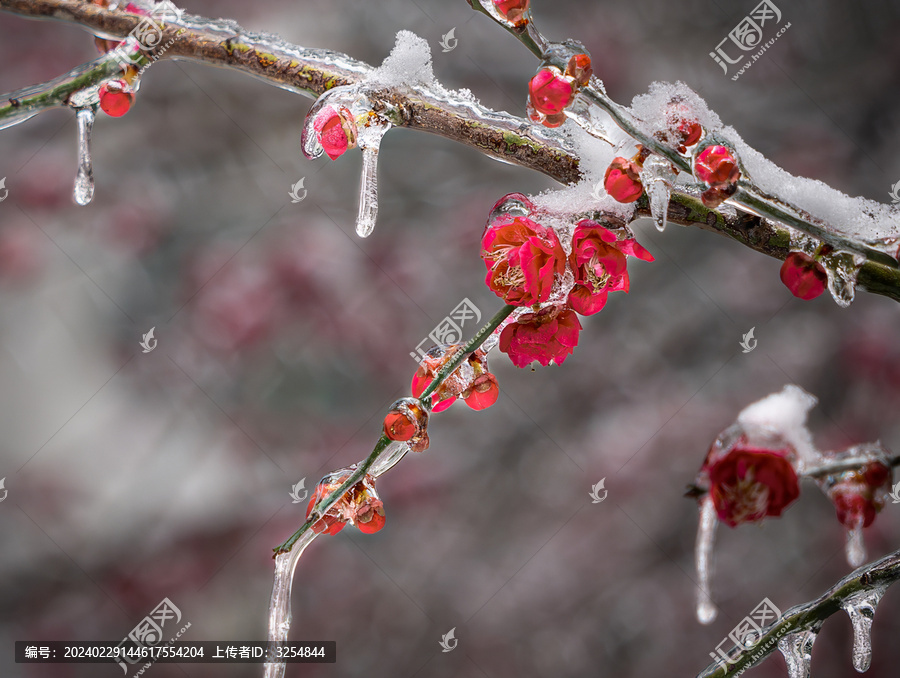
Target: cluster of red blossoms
x,y
748,483
525,261
359,506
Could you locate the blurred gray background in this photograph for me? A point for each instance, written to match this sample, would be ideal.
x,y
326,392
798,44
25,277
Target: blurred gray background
x,y
283,337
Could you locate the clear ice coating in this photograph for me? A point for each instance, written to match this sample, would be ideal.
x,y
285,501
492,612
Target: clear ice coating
x,y
797,650
658,177
842,269
860,607
280,602
706,532
84,179
856,547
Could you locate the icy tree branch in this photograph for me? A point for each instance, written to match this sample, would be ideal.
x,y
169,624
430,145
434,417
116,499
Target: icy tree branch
x,y
861,588
313,72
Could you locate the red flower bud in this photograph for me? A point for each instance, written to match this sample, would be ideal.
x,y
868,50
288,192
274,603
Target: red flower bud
x,y
116,97
398,426
803,276
579,69
483,392
622,180
512,10
370,516
551,334
550,91
335,131
716,166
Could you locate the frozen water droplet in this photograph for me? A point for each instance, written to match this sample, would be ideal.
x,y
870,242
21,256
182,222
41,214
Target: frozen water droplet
x,y
706,532
797,651
842,269
856,547
658,177
860,607
84,179
280,602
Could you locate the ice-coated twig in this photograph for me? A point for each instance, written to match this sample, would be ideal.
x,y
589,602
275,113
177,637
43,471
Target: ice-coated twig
x,y
314,71
857,593
384,455
748,197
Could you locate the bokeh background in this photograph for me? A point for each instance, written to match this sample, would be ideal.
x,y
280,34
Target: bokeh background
x,y
283,337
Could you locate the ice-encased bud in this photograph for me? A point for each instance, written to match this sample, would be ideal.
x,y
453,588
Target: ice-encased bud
x,y
341,119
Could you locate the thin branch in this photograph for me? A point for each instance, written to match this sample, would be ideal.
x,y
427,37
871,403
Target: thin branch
x,y
809,616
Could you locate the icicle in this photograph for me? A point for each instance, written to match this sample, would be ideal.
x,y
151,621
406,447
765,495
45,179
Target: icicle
x,y
706,532
856,547
280,603
860,607
369,141
84,180
658,178
797,651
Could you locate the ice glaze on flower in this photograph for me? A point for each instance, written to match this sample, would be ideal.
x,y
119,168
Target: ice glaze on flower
x,y
749,483
522,258
116,97
716,167
359,506
598,264
803,275
550,335
512,10
550,91
580,69
623,180
858,496
407,421
335,130
471,381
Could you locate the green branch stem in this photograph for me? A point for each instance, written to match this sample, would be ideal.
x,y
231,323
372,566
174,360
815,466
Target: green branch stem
x,y
878,574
